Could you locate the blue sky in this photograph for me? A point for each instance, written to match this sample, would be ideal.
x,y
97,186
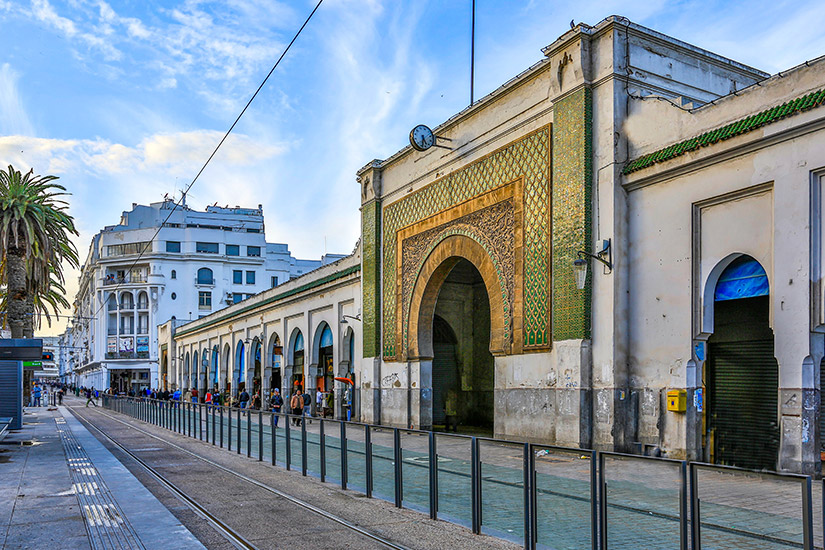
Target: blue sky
x,y
124,100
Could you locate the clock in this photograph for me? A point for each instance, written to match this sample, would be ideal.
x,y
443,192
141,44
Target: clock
x,y
422,138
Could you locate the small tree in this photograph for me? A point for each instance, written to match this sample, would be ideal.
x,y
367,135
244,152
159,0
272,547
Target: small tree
x,y
35,233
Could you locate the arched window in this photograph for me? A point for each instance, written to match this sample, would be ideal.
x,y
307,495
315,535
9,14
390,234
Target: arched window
x,y
143,301
205,276
174,274
126,301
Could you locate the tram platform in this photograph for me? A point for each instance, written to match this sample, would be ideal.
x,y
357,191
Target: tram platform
x,y
61,488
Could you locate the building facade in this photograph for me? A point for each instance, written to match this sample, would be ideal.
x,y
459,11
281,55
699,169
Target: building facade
x,y
303,334
618,249
162,263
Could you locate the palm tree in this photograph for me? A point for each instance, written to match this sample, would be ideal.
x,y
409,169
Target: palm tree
x,y
35,230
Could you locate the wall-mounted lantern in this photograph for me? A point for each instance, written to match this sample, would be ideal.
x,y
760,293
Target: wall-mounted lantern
x,y
580,264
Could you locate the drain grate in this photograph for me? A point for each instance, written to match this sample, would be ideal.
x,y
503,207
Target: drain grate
x,y
105,522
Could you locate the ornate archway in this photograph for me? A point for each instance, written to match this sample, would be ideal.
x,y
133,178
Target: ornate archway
x,y
431,277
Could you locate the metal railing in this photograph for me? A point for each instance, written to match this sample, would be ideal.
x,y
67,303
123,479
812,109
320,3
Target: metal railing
x,y
537,495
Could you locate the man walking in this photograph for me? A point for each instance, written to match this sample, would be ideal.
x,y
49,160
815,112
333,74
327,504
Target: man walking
x,y
243,399
59,396
36,394
89,396
296,404
275,402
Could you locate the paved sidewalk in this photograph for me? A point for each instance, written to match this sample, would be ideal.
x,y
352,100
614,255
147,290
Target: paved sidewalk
x,y
60,488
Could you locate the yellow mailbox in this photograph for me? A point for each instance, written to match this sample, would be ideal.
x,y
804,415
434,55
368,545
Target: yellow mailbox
x,y
677,400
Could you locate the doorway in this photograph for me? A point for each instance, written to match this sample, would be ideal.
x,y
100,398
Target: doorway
x,y
463,367
742,373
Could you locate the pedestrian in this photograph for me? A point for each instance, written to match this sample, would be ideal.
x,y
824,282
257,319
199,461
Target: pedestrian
x,y
243,399
187,395
89,399
208,399
329,402
276,402
36,393
296,403
319,402
307,404
194,395
60,396
256,401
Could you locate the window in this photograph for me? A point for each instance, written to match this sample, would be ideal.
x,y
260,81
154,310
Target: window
x,y
172,246
237,277
253,250
248,296
174,274
205,276
252,230
174,296
250,277
206,248
237,297
205,300
233,250
274,282
129,248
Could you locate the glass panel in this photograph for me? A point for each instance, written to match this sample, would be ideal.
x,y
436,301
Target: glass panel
x,y
332,433
454,482
741,509
563,516
280,443
313,447
502,489
356,463
295,443
383,463
642,502
415,471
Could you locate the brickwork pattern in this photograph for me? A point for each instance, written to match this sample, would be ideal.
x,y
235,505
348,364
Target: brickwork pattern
x,y
572,206
529,158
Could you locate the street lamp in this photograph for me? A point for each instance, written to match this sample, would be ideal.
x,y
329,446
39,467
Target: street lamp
x,y
581,262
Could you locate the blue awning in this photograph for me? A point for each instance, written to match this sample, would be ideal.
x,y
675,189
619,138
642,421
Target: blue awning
x,y
744,278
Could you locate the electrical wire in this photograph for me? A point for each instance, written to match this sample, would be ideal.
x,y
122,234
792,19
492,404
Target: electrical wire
x,y
214,152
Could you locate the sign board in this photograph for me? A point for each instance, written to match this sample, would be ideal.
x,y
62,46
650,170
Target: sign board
x,y
32,364
111,344
142,344
11,392
127,344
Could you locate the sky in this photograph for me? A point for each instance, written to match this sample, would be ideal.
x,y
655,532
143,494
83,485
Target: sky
x,y
124,100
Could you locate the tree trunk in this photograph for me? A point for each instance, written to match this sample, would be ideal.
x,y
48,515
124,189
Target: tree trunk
x,y
16,302
28,319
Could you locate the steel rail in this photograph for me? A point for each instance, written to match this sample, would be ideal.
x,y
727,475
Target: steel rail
x,y
323,513
237,540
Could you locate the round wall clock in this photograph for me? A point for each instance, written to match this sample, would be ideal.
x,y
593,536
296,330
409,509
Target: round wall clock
x,y
422,138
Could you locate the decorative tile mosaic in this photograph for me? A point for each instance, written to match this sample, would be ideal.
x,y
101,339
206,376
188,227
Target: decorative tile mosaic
x,y
370,218
572,177
529,158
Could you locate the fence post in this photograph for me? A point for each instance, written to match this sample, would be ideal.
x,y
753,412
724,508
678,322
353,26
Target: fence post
x,y
807,515
683,507
248,432
272,425
214,411
323,442
260,436
602,504
229,428
530,526
200,423
343,455
220,412
238,446
433,456
288,432
303,445
368,460
396,454
475,483
695,520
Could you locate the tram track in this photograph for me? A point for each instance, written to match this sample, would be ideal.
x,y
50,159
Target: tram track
x,y
230,534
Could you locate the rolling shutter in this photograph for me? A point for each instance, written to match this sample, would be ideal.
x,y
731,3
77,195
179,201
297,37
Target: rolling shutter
x,y
744,382
445,375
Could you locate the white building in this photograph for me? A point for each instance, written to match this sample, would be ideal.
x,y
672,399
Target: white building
x,y
161,263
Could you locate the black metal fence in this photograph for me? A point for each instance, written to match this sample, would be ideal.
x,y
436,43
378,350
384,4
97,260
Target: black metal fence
x,y
540,496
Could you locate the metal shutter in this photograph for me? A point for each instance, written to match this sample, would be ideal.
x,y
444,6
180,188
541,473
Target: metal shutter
x,y
11,392
744,382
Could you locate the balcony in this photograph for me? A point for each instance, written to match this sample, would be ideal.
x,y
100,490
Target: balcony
x,y
127,355
111,280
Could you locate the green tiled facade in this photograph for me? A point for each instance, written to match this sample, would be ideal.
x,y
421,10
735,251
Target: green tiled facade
x,y
370,247
529,158
572,207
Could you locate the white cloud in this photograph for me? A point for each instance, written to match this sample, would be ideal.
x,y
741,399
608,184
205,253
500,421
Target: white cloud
x,y
13,116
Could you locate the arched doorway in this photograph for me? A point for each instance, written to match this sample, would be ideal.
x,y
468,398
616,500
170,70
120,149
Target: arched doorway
x,y
240,371
164,372
186,372
326,370
257,370
297,353
195,370
463,367
227,354
742,374
276,351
